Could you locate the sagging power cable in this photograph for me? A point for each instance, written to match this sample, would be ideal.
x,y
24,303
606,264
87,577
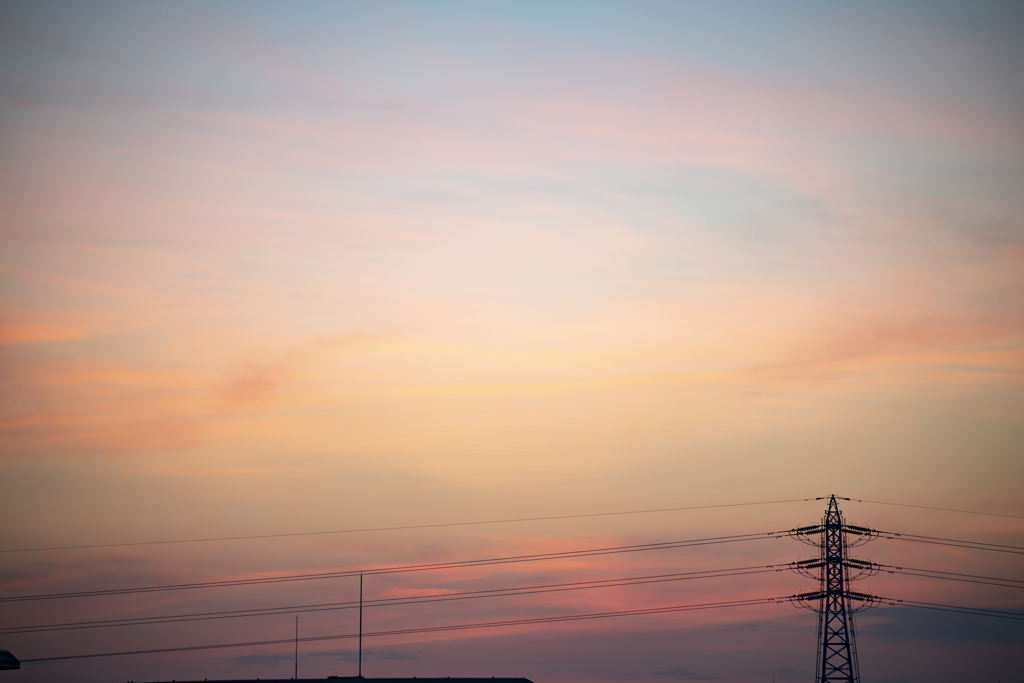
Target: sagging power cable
x,y
929,507
406,568
999,614
951,542
433,629
408,600
398,528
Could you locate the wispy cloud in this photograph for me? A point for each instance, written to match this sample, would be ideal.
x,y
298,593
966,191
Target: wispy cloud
x,y
350,265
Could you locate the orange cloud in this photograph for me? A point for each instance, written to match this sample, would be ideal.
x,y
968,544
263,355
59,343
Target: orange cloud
x,y
20,325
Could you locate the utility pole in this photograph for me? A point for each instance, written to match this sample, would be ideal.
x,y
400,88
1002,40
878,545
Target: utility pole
x,y
834,602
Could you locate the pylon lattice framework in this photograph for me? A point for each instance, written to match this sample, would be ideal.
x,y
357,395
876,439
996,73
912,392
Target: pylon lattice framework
x,y
834,602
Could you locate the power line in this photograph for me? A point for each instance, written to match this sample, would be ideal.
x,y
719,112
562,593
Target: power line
x,y
490,593
388,602
952,542
927,507
434,629
952,576
975,545
407,568
976,611
972,576
1000,614
398,528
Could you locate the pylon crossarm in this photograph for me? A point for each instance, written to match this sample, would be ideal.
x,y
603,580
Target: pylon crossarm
x,y
863,534
812,595
808,601
866,600
861,569
813,563
807,568
803,533
860,564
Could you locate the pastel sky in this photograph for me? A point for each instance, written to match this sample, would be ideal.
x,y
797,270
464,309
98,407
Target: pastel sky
x,y
272,267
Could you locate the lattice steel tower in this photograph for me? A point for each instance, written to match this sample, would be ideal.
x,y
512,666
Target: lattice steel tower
x,y
837,651
834,602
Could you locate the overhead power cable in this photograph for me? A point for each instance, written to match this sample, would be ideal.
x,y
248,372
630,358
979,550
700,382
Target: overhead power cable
x,y
491,593
975,545
406,568
976,611
434,629
399,528
999,614
497,592
953,576
408,600
952,542
928,507
473,523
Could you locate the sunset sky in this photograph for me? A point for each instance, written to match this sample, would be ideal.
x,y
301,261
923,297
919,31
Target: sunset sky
x,y
273,268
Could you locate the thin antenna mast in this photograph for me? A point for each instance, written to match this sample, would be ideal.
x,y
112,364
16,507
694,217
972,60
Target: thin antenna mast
x,y
296,647
360,626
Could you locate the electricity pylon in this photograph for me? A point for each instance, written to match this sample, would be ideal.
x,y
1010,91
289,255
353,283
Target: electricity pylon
x,y
834,602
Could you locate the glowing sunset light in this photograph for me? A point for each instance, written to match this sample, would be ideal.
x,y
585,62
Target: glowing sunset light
x,y
339,287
